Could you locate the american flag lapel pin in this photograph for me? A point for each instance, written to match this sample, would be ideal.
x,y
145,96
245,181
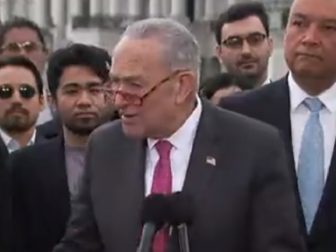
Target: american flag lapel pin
x,y
211,160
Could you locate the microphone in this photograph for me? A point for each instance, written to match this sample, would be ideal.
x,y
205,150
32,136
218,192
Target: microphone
x,y
154,215
181,212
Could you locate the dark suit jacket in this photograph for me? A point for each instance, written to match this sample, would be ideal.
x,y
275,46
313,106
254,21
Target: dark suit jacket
x,y
271,104
41,201
244,202
50,129
5,195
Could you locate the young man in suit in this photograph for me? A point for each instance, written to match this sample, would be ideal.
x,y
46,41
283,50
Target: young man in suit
x,y
244,45
21,100
169,140
22,37
302,105
46,177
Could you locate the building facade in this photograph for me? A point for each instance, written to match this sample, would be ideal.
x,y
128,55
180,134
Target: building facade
x,y
100,22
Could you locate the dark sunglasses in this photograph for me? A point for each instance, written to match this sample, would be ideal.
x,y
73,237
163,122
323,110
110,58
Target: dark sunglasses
x,y
236,42
136,99
26,91
27,46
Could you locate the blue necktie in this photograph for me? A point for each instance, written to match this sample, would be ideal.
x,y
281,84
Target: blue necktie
x,y
311,162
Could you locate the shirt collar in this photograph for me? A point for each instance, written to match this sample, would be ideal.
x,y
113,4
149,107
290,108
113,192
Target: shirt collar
x,y
266,82
298,95
185,134
10,142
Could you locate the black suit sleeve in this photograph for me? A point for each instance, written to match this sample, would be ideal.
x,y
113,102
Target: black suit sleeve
x,y
82,234
5,208
275,225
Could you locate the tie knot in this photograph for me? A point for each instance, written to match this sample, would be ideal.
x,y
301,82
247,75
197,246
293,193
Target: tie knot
x,y
313,104
163,147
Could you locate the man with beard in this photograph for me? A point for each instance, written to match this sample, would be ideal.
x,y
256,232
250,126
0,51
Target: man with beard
x,y
46,177
243,41
21,100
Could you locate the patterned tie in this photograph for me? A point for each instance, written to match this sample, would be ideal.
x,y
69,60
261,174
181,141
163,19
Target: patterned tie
x,y
311,162
162,183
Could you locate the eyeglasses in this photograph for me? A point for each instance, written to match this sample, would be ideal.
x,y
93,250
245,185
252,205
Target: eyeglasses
x,y
26,91
236,42
27,46
137,99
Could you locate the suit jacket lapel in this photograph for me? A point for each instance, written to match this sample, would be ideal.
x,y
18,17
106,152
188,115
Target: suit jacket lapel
x,y
280,117
56,169
325,216
202,163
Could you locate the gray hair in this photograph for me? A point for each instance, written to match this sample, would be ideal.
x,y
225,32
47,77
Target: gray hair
x,y
181,50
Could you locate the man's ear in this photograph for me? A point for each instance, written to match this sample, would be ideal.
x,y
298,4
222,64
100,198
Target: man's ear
x,y
219,54
186,85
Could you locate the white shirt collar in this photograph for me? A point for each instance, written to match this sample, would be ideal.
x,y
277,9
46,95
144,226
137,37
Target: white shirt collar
x,y
298,95
12,144
267,81
184,136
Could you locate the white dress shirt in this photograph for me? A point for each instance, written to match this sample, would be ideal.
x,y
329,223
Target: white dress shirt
x,y
12,144
299,115
182,141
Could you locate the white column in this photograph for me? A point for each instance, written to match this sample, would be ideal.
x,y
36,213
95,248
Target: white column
x,y
154,8
178,8
59,16
166,7
96,7
76,7
210,9
115,7
135,8
21,8
40,12
4,10
199,9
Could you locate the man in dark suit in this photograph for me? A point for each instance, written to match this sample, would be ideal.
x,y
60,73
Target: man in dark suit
x,y
21,100
46,177
309,133
168,140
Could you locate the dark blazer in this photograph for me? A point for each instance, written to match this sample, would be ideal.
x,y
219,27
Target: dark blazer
x,y
41,201
50,129
5,195
271,104
243,197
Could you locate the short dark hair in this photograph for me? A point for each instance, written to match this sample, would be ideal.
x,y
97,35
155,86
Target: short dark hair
x,y
21,61
238,12
95,58
222,80
19,22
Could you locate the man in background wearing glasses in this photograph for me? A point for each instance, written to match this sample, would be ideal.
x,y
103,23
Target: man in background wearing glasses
x,y
243,41
20,36
21,101
169,140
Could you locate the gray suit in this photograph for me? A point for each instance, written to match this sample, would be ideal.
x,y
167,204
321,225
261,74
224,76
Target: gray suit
x,y
244,202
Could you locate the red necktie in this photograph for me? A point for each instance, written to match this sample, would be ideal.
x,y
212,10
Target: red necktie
x,y
162,183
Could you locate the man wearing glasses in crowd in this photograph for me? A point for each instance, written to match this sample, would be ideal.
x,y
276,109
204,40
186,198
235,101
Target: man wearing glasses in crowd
x,y
20,36
21,101
243,42
169,140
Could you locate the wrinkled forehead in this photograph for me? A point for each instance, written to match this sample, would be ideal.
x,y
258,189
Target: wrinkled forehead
x,y
137,56
324,10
